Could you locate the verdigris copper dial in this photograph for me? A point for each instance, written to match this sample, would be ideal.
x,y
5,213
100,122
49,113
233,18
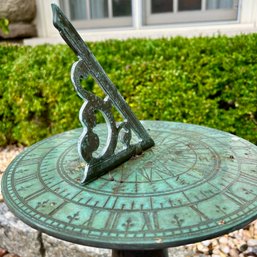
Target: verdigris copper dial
x,y
135,187
195,183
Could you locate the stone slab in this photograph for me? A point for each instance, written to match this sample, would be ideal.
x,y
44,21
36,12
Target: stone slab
x,y
59,248
18,10
17,237
20,30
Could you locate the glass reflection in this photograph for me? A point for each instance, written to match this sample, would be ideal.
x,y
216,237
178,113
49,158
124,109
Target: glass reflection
x,y
77,9
219,4
121,8
99,9
161,6
189,5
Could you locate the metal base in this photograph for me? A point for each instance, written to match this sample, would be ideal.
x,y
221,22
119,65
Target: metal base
x,y
150,253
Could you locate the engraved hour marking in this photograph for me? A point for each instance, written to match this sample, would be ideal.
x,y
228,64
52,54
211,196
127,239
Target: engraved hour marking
x,y
112,221
202,216
59,207
147,222
165,181
155,220
26,178
107,200
147,174
136,183
235,198
28,162
132,205
151,203
35,194
248,179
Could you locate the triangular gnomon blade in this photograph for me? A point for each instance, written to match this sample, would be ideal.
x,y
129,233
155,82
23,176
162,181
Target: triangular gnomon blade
x,y
89,140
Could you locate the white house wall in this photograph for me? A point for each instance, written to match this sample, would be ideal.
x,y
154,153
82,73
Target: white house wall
x,y
246,23
248,12
44,18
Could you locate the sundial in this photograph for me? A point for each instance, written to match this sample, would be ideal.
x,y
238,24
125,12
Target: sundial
x,y
137,187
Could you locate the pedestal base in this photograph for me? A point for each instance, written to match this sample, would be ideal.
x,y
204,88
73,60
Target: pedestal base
x,y
150,253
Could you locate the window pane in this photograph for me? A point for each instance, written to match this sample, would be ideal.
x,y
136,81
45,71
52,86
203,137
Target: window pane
x,y
121,8
189,5
160,6
77,9
99,9
219,4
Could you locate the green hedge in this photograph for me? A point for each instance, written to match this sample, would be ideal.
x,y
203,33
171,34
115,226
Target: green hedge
x,y
207,81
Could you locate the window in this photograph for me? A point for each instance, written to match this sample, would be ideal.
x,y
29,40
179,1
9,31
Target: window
x,y
177,11
162,6
118,13
219,4
99,13
185,5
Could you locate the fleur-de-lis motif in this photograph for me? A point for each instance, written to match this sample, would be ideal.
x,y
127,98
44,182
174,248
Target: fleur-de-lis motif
x,y
248,191
177,221
42,204
73,217
220,209
128,224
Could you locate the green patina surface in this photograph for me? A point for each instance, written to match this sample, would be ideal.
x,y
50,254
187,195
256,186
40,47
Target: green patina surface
x,y
195,183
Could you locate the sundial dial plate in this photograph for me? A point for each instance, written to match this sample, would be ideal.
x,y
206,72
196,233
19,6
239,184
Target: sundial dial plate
x,y
195,183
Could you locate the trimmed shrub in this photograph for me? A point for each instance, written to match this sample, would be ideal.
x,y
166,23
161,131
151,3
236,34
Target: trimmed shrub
x,y
209,81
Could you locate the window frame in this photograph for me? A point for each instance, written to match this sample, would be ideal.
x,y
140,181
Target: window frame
x,y
108,22
192,16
